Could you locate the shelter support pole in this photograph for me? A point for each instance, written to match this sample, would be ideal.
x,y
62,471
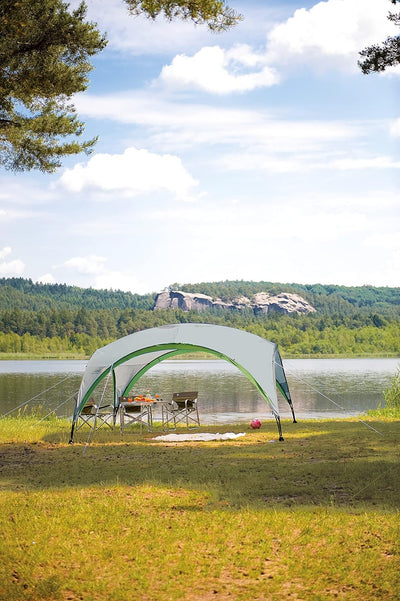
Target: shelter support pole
x,y
294,417
71,440
278,423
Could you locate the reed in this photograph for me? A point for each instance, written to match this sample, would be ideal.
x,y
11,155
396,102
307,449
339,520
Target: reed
x,y
314,517
392,400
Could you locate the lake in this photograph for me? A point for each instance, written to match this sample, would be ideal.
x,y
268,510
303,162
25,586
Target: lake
x,y
319,387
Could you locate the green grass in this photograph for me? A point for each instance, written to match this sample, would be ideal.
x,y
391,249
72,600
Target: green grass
x,y
312,518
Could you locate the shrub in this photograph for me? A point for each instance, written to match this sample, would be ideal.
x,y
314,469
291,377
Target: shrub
x,y
392,394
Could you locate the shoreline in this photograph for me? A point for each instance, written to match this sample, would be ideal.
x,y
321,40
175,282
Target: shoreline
x,y
193,356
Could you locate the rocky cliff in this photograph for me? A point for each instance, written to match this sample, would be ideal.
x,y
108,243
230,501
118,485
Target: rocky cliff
x,y
259,303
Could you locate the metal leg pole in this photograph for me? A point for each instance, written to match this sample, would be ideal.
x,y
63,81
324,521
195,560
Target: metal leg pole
x,y
71,439
278,423
294,417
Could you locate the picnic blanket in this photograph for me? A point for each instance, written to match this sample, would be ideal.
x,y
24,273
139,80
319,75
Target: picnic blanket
x,y
198,436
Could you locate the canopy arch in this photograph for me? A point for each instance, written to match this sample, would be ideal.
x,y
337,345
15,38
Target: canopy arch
x,y
128,358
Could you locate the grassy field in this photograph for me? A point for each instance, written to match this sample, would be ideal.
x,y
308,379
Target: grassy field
x,y
312,518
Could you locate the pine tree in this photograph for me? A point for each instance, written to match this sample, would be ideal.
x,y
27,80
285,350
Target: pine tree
x,y
379,57
45,52
214,13
44,60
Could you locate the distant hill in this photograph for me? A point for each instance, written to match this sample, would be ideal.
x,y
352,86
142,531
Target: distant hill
x,y
56,320
327,299
24,294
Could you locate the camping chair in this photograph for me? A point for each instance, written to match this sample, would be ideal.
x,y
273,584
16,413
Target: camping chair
x,y
183,408
95,417
134,412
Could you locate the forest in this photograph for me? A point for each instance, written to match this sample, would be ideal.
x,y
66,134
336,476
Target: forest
x,y
59,320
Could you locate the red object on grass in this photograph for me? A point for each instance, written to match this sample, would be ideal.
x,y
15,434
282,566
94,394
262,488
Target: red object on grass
x,y
255,424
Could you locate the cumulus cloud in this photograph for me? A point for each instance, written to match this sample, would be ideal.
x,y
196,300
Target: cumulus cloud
x,y
132,173
329,33
10,268
219,71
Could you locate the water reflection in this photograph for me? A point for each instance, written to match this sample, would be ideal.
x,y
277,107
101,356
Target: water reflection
x,y
319,387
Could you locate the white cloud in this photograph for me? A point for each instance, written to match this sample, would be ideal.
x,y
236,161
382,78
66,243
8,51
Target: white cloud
x,y
46,278
389,243
365,163
142,36
281,163
91,264
5,251
13,268
395,128
132,173
330,33
118,280
390,72
179,125
301,219
9,215
10,268
218,71
99,275
325,237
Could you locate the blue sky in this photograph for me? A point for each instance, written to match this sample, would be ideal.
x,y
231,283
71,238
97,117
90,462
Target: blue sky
x,y
262,153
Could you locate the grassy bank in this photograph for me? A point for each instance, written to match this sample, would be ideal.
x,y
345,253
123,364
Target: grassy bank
x,y
314,517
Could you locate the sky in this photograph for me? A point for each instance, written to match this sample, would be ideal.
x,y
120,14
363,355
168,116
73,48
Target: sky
x,y
258,154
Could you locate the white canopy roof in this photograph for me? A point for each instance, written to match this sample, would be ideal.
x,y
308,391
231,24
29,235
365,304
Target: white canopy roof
x,y
128,358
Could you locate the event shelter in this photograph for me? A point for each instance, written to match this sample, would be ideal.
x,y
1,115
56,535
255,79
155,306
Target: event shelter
x,y
128,358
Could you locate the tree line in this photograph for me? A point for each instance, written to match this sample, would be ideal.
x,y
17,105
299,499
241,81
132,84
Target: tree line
x,y
81,332
24,294
326,299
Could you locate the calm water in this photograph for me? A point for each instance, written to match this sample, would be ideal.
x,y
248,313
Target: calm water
x,y
319,387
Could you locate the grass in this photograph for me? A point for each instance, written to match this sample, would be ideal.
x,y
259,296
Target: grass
x,y
312,518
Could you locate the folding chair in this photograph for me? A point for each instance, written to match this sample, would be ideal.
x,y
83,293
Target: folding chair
x,y
183,408
95,417
134,412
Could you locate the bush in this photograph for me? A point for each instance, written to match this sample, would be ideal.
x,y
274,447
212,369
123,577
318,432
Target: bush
x,y
392,394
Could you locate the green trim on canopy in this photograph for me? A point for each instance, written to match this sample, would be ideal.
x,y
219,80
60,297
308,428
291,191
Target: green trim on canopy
x,y
186,348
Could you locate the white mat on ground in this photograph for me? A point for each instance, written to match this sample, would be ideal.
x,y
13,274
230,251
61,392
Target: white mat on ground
x,y
198,436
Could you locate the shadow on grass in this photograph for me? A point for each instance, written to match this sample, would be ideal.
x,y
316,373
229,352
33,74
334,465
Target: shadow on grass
x,y
340,463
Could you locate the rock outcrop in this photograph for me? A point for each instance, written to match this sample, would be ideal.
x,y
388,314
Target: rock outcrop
x,y
262,302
